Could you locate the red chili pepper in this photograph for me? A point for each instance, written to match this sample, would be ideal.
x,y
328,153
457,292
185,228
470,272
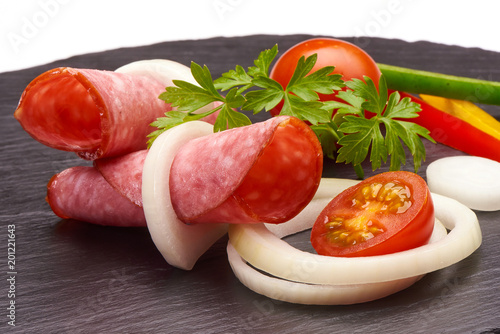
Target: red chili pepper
x,y
454,132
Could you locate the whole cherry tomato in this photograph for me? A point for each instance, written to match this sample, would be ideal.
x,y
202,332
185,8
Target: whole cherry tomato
x,y
349,60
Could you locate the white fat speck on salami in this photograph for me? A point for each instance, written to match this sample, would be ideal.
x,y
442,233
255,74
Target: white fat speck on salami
x,y
82,193
94,113
264,172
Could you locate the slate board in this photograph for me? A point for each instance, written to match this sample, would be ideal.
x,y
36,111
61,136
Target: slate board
x,y
74,277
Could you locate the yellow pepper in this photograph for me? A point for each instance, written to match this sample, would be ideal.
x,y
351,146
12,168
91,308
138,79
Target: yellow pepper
x,y
466,111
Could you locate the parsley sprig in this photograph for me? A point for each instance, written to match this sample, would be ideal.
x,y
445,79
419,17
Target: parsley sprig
x,y
362,114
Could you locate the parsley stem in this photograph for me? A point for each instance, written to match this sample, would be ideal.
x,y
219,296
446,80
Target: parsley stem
x,y
194,116
359,171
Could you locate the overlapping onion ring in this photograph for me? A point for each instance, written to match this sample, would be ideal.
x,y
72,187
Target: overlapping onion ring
x,y
301,277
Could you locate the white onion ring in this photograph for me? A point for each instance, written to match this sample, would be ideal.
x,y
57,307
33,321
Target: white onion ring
x,y
328,189
265,251
331,187
163,70
319,294
180,244
479,176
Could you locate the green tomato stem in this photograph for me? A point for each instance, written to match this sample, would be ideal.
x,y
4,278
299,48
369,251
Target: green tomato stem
x,y
448,86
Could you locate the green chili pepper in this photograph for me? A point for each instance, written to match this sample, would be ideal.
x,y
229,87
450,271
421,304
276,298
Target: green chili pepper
x,y
449,86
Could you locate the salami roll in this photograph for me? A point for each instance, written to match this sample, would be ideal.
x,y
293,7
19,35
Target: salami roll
x,y
265,172
94,113
124,174
83,194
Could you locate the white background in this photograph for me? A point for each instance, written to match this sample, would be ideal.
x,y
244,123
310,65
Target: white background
x,y
35,32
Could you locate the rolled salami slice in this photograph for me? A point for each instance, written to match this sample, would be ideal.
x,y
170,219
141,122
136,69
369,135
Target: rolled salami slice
x,y
265,172
91,112
83,194
124,174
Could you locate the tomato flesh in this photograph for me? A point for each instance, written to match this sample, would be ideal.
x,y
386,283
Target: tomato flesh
x,y
387,213
349,60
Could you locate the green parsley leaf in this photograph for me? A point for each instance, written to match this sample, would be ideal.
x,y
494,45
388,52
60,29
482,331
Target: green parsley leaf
x,y
234,78
172,119
266,98
366,120
189,97
353,104
328,136
229,118
240,78
186,96
300,97
321,81
318,82
311,111
375,99
363,134
203,76
263,62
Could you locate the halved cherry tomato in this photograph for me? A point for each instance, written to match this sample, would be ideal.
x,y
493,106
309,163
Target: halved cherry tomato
x,y
349,60
387,213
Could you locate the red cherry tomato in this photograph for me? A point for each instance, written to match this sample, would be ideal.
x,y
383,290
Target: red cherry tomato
x,y
349,60
386,213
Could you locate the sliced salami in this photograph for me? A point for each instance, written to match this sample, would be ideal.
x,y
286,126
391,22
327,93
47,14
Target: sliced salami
x,y
124,173
91,112
265,172
83,194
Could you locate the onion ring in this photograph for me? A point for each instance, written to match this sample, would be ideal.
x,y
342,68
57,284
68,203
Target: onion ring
x,y
162,70
319,294
180,244
257,245
328,188
480,176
